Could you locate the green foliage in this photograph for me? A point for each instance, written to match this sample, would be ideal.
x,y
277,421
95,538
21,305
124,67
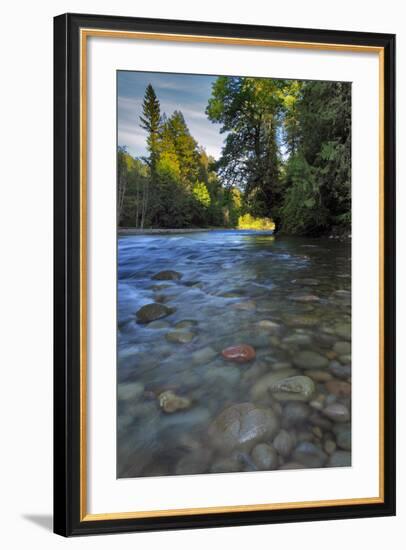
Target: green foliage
x,y
249,222
201,193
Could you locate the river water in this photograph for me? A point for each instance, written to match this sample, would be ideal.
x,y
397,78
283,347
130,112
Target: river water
x,y
287,298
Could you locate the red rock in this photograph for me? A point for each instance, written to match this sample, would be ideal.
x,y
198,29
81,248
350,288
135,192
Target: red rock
x,y
239,354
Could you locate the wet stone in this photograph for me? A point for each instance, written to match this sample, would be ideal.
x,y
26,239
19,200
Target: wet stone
x,y
342,348
308,359
284,443
179,337
197,462
152,312
340,459
170,402
265,457
309,455
337,412
295,413
168,275
242,353
338,388
294,388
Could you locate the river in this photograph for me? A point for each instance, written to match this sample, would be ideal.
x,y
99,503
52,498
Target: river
x,y
287,300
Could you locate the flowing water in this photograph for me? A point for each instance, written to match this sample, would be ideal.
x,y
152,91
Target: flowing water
x,y
281,296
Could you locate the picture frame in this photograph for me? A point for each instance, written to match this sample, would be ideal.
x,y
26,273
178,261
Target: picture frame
x,y
72,205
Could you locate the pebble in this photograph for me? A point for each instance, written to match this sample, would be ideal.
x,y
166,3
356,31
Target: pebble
x,y
319,375
340,459
338,388
295,413
196,462
203,355
159,324
294,388
337,412
305,298
168,275
284,443
152,312
340,371
342,348
179,337
263,385
248,305
301,320
268,325
265,457
186,323
226,465
329,446
297,339
170,402
242,426
308,359
343,436
309,455
242,353
343,330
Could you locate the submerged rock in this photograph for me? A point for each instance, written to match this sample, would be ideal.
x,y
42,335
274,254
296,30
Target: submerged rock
x,y
305,298
186,323
337,412
197,462
241,427
294,388
295,413
170,402
284,443
239,354
338,388
203,355
179,337
308,359
265,457
309,455
168,275
152,312
261,389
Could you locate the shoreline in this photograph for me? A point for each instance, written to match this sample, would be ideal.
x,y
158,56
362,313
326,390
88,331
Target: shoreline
x,y
161,231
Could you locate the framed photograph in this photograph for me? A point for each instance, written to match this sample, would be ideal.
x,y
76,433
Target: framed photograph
x,y
224,274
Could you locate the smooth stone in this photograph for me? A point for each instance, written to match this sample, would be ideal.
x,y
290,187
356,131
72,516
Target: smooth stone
x,y
320,421
345,359
337,412
187,419
265,457
262,387
159,324
203,355
340,371
319,375
224,375
309,455
168,275
340,459
268,325
297,339
279,365
242,353
179,337
308,359
343,436
305,298
197,462
329,446
152,312
295,413
343,330
342,293
226,465
242,426
342,348
170,402
318,402
187,323
130,391
244,306
284,443
301,320
294,388
338,388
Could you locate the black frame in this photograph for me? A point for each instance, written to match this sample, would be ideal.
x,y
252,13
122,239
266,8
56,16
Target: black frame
x,y
67,275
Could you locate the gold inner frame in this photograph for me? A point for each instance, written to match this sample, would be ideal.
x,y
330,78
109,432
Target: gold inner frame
x,y
84,34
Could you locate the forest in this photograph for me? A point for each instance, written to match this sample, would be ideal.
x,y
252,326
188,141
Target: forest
x,y
285,162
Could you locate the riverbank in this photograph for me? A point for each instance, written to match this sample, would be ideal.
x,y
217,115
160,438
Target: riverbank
x,y
167,231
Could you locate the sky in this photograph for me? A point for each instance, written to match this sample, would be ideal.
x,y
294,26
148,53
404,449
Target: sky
x,y
186,93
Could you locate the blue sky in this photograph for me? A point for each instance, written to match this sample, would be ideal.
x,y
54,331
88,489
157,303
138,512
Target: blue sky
x,y
186,93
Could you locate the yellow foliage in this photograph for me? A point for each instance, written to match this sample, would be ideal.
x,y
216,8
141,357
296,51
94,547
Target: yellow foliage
x,y
249,222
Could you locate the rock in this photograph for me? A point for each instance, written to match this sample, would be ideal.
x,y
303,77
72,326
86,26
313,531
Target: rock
x,y
127,391
226,465
295,413
187,323
337,412
305,298
239,354
248,305
320,421
340,371
297,340
338,388
343,436
260,390
294,388
265,457
265,324
242,426
284,443
301,320
159,324
342,348
157,288
309,455
319,375
318,402
329,446
152,312
170,402
196,462
343,330
167,276
308,359
316,430
340,459
203,355
279,365
344,359
342,294
179,337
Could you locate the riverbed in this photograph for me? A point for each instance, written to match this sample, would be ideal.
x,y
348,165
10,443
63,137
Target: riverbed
x,y
244,361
